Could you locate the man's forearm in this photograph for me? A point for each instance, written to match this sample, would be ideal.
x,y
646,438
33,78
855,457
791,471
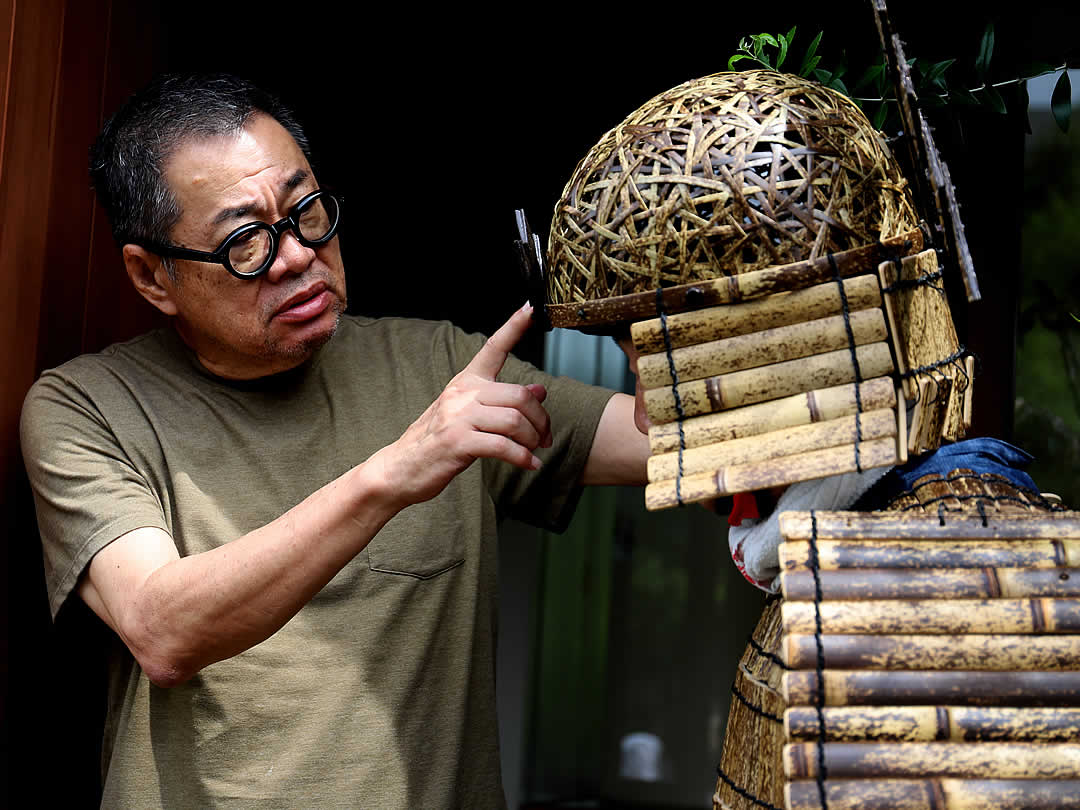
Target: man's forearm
x,y
189,612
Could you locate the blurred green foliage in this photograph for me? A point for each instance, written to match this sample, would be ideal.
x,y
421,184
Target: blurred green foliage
x,y
931,80
1047,421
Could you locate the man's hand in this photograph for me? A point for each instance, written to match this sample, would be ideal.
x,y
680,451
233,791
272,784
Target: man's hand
x,y
474,417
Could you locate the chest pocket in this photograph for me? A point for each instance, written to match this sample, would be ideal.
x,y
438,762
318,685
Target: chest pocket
x,y
431,538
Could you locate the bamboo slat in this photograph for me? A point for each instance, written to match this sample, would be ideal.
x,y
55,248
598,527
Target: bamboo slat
x,y
952,616
765,474
894,526
934,794
928,421
918,554
924,335
938,759
715,357
935,723
997,651
766,383
951,583
914,688
752,420
784,309
790,441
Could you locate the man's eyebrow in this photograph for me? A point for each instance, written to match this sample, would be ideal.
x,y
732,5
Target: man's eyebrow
x,y
225,214
243,211
298,177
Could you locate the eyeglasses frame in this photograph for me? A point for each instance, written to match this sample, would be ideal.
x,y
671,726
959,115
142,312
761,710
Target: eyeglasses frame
x,y
277,230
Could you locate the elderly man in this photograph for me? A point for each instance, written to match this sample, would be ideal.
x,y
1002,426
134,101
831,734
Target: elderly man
x,y
287,515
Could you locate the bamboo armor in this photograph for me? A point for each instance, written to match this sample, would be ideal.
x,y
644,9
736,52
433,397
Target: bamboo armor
x,y
934,659
756,236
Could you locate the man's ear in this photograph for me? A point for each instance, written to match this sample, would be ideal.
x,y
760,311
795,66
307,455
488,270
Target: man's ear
x,y
147,272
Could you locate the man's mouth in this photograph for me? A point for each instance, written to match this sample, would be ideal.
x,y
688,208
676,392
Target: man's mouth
x,y
306,304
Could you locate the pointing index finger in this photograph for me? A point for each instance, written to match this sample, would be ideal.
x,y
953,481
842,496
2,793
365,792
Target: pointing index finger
x,y
489,361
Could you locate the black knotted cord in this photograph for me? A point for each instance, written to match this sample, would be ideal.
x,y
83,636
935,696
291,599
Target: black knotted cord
x,y
854,358
674,390
819,693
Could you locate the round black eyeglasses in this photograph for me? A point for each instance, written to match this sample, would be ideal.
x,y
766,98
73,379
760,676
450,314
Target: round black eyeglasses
x,y
249,251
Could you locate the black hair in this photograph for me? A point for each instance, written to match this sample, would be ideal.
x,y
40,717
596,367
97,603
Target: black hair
x,y
128,158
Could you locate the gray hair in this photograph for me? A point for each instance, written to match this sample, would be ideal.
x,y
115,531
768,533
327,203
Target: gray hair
x,y
127,160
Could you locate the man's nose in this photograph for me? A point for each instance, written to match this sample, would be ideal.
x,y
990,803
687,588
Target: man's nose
x,y
292,257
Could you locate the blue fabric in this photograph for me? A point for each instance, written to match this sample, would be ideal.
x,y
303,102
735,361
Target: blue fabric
x,y
982,455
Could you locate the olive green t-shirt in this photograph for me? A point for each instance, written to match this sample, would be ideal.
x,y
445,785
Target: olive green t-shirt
x,y
380,692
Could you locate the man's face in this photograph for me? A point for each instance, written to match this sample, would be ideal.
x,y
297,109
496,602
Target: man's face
x,y
247,328
641,418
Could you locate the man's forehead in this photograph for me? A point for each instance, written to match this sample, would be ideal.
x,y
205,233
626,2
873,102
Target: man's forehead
x,y
261,154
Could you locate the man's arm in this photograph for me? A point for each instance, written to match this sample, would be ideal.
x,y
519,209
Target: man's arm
x,y
620,451
180,614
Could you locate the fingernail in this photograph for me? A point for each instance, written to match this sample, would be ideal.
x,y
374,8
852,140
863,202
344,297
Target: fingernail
x,y
528,307
536,463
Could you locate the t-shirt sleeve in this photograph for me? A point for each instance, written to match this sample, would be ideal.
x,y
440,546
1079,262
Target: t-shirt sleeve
x,y
547,497
86,490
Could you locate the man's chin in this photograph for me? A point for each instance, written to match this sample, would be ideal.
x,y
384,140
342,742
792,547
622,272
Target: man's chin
x,y
299,347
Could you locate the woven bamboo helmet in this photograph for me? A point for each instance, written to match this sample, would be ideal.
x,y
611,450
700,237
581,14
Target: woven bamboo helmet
x,y
719,176
733,188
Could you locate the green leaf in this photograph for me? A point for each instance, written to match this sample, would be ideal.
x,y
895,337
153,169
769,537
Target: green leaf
x,y
841,69
767,38
880,116
965,97
836,84
809,60
986,50
882,82
1061,101
790,35
937,70
823,76
783,51
736,58
869,76
994,99
1034,69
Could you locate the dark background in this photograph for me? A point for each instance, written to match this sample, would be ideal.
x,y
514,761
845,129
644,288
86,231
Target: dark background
x,y
435,126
